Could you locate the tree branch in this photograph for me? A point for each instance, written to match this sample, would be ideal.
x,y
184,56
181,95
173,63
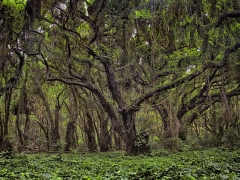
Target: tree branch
x,y
196,100
14,79
232,14
225,57
216,98
137,102
111,78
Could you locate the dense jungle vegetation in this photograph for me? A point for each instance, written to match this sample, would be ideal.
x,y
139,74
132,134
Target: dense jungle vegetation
x,y
109,75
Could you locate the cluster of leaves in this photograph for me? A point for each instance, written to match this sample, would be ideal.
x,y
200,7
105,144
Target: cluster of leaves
x,y
209,164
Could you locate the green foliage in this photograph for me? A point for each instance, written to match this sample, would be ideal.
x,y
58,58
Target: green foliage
x,y
17,3
83,29
90,1
211,141
14,13
174,144
210,164
142,138
230,138
143,14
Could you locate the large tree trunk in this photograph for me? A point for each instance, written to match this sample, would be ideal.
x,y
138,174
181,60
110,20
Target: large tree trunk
x,y
89,130
135,143
164,115
125,125
130,133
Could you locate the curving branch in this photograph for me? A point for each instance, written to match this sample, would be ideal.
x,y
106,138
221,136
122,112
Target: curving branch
x,y
227,52
196,100
111,78
135,105
92,23
215,99
118,127
14,79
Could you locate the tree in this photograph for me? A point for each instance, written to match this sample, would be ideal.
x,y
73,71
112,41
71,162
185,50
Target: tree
x,y
91,48
11,59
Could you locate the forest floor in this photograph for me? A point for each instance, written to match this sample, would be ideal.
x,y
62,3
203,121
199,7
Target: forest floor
x,y
207,164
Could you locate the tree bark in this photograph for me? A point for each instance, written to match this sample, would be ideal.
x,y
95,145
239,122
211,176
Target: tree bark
x,y
6,142
117,140
71,127
104,135
89,130
164,115
70,138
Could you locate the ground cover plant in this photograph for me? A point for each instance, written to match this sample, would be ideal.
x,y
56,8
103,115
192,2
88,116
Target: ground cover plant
x,y
208,164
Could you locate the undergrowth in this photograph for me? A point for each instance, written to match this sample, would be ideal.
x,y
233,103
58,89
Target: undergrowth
x,y
209,164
